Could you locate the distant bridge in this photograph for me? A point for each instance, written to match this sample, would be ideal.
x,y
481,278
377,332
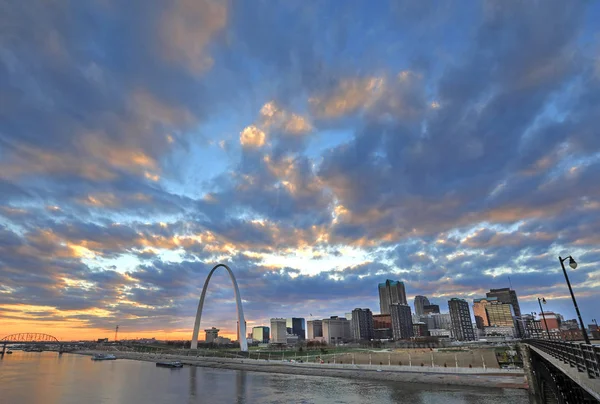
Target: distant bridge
x,y
562,372
30,338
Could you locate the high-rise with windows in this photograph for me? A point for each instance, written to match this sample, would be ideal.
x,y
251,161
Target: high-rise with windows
x,y
362,325
402,324
507,296
481,317
391,292
420,302
500,314
460,315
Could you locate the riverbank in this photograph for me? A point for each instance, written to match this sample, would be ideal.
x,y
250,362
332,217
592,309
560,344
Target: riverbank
x,y
440,376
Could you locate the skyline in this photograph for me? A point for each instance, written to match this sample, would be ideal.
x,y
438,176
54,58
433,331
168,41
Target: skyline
x,y
316,149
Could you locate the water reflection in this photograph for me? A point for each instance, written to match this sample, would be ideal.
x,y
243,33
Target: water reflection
x,y
33,378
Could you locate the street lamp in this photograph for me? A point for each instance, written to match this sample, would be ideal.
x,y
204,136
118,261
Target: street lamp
x,y
573,265
540,301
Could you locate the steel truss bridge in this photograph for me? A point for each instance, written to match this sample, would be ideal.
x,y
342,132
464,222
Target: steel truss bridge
x,y
562,372
30,338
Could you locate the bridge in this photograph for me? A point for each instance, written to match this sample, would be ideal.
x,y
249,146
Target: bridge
x,y
30,338
562,372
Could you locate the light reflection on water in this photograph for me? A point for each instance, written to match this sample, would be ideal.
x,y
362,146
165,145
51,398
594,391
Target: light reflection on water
x,y
49,378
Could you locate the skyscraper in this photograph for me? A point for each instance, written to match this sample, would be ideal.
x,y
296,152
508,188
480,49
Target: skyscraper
x,y
362,325
295,326
500,314
420,302
481,317
508,296
462,326
391,292
278,331
402,325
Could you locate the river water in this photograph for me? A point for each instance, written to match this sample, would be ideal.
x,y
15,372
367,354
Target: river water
x,y
49,378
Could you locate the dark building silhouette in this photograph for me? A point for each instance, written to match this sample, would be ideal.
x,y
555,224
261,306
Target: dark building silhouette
x,y
362,325
296,326
402,325
431,309
460,316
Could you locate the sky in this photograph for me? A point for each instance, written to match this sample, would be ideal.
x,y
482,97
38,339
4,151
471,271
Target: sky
x,y
317,148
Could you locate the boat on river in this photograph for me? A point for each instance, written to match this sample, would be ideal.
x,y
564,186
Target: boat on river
x,y
104,357
175,364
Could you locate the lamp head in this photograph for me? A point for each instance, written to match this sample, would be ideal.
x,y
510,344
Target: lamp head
x,y
572,263
543,300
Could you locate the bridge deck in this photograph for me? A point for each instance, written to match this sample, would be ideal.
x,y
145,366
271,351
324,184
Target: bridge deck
x,y
592,386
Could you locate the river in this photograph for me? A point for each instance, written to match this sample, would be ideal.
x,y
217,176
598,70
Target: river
x,y
49,378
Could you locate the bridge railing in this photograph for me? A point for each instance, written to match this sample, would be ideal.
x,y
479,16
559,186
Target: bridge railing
x,y
586,358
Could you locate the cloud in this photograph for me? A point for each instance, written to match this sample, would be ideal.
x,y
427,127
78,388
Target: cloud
x,y
316,148
251,136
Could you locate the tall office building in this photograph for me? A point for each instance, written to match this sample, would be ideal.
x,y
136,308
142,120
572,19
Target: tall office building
x,y
402,325
314,329
260,334
507,296
211,335
481,317
295,326
420,301
362,325
391,292
462,326
431,309
500,314
278,331
336,330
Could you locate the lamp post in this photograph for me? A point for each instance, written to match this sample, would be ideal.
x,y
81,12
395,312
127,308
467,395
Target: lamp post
x,y
540,301
573,265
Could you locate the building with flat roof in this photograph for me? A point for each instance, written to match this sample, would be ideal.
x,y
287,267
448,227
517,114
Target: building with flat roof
x,y
362,325
211,335
500,314
507,296
295,326
260,334
336,330
278,331
402,325
460,315
391,292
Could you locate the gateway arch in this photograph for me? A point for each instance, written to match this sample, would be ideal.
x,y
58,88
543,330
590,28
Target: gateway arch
x,y
238,303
